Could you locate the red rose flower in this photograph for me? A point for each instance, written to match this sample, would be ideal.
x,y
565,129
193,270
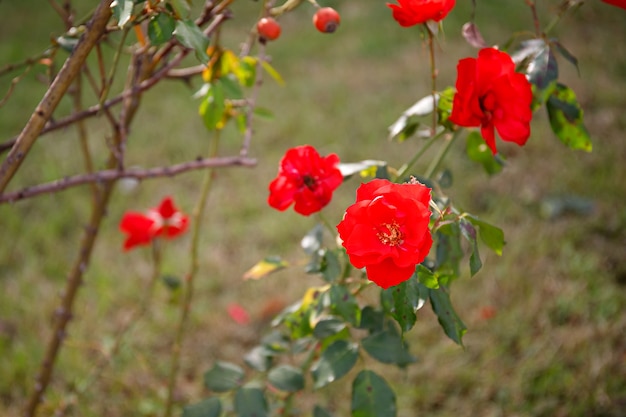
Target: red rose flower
x,y
306,178
164,220
413,12
490,94
617,3
386,230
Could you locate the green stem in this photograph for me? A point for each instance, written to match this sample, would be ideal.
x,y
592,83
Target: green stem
x,y
433,76
326,223
441,155
406,167
197,217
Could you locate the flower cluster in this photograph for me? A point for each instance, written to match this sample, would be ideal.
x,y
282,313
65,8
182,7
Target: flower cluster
x,y
162,221
413,12
490,94
306,178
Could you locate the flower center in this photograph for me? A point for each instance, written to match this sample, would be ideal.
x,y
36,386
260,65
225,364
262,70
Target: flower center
x,y
390,234
487,105
309,182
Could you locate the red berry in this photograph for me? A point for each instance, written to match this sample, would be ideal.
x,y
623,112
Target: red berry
x,y
326,20
268,28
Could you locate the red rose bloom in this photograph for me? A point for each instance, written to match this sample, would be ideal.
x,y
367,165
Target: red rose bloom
x,y
386,230
306,178
617,3
413,12
164,220
490,94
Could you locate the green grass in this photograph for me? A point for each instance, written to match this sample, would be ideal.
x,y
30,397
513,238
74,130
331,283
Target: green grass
x,y
556,344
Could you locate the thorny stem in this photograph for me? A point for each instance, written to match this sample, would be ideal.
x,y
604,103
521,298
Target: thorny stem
x,y
433,76
197,217
531,4
258,81
26,63
53,96
115,174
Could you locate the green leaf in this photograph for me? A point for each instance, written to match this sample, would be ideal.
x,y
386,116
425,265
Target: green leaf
x,y
491,235
343,303
327,327
469,232
180,7
336,361
405,126
331,267
427,278
224,376
448,250
448,319
161,29
272,72
372,396
259,358
321,412
232,89
191,36
122,11
286,378
263,113
212,107
478,151
388,347
312,241
371,319
250,402
566,118
565,53
211,407
444,106
350,168
406,300
267,266
542,69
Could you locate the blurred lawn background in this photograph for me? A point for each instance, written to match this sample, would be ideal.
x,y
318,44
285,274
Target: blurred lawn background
x,y
546,321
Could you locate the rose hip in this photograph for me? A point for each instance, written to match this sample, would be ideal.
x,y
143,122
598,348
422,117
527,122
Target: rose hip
x,y
326,20
268,28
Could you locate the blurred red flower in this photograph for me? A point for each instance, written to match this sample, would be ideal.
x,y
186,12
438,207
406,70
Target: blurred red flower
x,y
386,230
617,3
238,313
413,12
306,178
164,220
490,94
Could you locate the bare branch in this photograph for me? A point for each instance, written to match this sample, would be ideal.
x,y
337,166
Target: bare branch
x,y
53,96
138,174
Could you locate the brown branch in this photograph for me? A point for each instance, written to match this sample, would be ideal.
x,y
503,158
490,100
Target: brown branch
x,y
95,109
114,174
53,96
